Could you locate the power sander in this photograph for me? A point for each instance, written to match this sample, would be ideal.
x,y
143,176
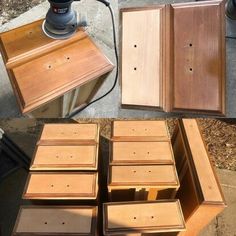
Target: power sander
x,y
61,21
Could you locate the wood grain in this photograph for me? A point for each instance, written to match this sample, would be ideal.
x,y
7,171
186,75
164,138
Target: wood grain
x,y
199,57
61,185
142,217
65,158
66,134
142,57
141,153
59,220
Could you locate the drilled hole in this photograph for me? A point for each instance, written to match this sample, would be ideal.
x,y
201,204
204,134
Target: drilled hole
x,y
49,66
145,129
149,171
190,45
134,171
30,32
134,153
45,223
152,217
71,156
63,223
135,45
68,58
148,153
191,69
57,156
52,185
133,129
68,185
135,218
135,68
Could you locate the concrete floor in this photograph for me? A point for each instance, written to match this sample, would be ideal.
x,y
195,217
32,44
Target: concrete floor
x,y
100,29
25,132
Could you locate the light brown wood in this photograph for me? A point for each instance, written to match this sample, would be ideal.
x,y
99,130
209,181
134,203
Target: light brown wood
x,y
141,153
66,134
61,185
200,194
154,130
65,158
142,57
59,220
143,176
37,65
142,217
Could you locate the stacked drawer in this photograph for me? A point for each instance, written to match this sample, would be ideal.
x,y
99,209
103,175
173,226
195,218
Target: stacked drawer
x,y
142,181
142,164
64,167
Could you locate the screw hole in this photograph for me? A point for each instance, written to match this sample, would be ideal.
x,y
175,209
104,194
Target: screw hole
x,y
68,58
49,66
63,223
68,185
134,171
149,171
148,153
190,45
135,218
52,185
191,69
135,45
134,153
152,217
45,223
135,68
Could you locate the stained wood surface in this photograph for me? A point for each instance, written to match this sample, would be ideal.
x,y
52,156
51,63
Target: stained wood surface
x,y
142,57
65,134
157,176
65,158
61,185
144,217
142,153
38,64
199,56
200,194
140,130
45,220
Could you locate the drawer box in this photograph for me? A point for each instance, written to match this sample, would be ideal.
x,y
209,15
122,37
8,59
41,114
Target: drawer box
x,y
142,217
69,134
149,182
61,185
80,157
56,220
128,153
153,130
200,193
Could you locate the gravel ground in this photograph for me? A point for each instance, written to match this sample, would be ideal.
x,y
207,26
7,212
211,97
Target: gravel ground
x,y
10,9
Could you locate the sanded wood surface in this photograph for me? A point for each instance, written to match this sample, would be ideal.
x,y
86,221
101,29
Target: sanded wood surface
x,y
65,158
200,194
61,185
143,217
41,69
142,57
65,134
143,130
60,220
141,152
143,176
198,31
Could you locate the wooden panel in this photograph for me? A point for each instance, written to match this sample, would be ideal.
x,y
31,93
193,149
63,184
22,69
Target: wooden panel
x,y
61,185
144,217
142,152
153,130
157,176
198,56
142,56
37,70
65,158
199,193
60,220
65,134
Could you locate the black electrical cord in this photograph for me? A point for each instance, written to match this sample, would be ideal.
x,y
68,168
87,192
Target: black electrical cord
x,y
117,62
230,37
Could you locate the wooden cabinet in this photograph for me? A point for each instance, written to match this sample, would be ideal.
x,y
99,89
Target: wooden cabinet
x,y
56,220
177,65
62,185
44,70
200,193
142,217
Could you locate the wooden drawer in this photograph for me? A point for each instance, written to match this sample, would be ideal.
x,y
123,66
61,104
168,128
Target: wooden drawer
x,y
82,157
142,182
126,153
142,217
69,134
62,185
200,194
59,220
154,130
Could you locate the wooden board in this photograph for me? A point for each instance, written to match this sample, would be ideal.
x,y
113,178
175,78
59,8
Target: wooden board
x,y
125,153
61,185
142,57
37,69
200,194
198,62
59,220
69,134
142,217
153,130
153,176
65,158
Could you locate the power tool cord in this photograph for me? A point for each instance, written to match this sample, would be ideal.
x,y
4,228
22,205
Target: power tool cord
x,y
117,61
